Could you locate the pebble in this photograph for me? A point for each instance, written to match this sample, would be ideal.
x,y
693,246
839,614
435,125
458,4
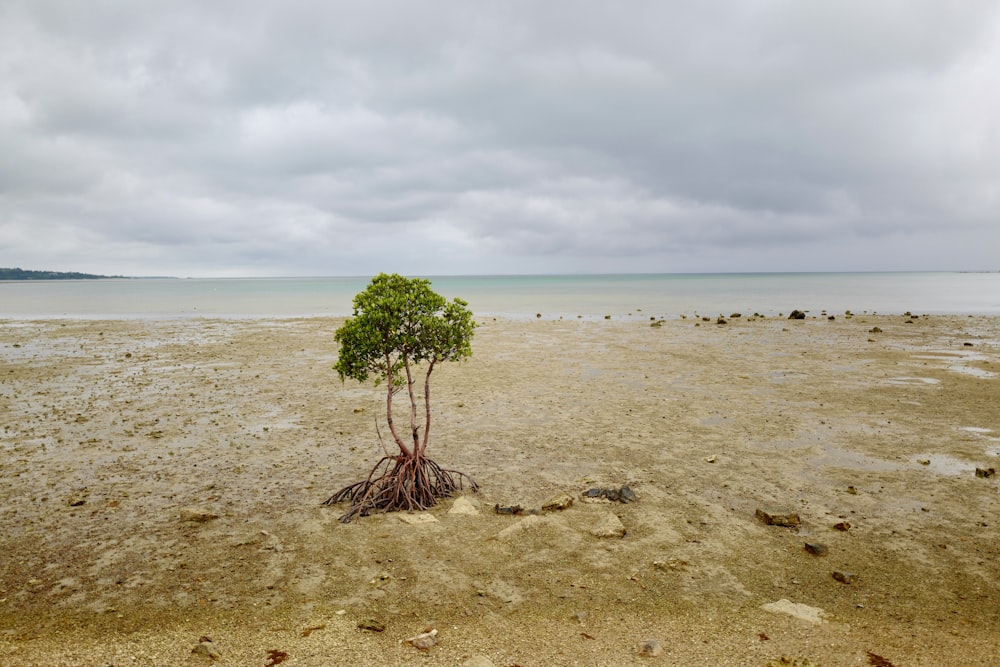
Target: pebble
x,y
778,517
197,515
559,502
816,549
424,641
845,577
206,649
649,648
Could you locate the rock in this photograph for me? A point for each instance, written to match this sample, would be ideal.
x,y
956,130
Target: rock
x,y
778,517
842,526
845,577
875,330
558,502
418,518
985,472
593,493
424,640
816,549
478,661
206,649
649,648
463,507
627,495
609,525
623,495
803,612
784,661
797,315
372,625
197,515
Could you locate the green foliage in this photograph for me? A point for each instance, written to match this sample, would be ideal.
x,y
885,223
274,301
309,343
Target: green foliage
x,y
399,321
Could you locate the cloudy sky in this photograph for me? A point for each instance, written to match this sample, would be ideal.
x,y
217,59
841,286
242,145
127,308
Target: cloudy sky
x,y
245,137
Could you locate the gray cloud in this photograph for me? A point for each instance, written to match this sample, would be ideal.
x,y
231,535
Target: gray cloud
x,y
249,138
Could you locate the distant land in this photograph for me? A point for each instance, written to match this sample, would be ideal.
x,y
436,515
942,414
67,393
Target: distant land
x,y
23,274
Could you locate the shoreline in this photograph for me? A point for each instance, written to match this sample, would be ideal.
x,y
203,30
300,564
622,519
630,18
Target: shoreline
x,y
113,428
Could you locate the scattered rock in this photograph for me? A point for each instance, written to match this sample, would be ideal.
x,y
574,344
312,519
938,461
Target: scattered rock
x,y
797,315
424,640
463,507
803,612
372,625
622,495
206,649
816,549
845,577
417,518
197,515
842,526
985,472
671,565
558,502
649,648
778,517
785,661
609,525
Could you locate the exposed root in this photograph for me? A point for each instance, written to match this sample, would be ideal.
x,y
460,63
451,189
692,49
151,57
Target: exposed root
x,y
400,483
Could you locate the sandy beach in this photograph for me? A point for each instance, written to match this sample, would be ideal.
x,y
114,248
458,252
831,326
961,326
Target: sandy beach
x,y
162,482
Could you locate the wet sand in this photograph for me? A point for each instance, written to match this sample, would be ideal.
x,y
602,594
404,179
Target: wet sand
x,y
120,436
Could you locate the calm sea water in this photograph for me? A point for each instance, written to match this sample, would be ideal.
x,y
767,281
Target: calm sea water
x,y
621,296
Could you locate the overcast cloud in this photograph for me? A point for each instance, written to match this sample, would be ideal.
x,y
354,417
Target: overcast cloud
x,y
244,137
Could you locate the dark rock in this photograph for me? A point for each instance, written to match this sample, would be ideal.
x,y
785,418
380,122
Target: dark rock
x,y
372,625
593,493
985,472
649,648
627,495
612,494
721,320
845,577
797,315
875,330
778,517
842,526
816,549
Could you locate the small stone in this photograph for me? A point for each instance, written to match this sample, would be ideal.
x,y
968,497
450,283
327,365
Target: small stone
x,y
593,493
784,661
197,515
418,519
206,649
875,330
609,525
372,625
985,472
797,315
424,641
649,648
845,577
627,495
842,526
778,517
816,549
558,502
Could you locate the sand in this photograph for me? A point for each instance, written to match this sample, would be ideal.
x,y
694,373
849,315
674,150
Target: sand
x,y
162,482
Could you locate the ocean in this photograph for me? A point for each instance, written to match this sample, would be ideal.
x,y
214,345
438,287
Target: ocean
x,y
637,296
